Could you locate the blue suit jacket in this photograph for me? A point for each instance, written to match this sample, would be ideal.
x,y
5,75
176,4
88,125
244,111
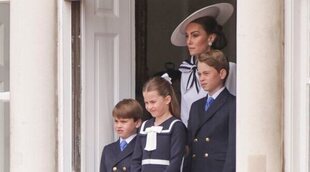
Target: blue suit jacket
x,y
212,135
113,159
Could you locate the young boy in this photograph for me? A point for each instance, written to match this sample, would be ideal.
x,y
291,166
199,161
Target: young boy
x,y
116,156
212,120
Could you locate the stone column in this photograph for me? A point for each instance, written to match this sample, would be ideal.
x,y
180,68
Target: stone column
x,y
33,78
260,86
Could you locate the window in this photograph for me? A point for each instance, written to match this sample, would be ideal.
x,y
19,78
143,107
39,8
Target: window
x,y
4,86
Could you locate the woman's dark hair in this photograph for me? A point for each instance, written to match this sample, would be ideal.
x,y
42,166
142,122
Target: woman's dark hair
x,y
210,25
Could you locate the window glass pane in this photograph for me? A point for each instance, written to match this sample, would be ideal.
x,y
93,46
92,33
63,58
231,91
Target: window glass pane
x,y
4,86
4,136
4,47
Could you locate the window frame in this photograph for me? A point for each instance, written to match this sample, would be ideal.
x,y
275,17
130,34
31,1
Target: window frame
x,y
297,86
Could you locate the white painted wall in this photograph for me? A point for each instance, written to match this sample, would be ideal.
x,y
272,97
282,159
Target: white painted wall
x,y
260,86
33,86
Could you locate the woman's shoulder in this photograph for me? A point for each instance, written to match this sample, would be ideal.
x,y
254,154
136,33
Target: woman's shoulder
x,y
190,60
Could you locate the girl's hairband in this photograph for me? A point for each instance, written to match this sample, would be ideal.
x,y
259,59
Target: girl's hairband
x,y
166,77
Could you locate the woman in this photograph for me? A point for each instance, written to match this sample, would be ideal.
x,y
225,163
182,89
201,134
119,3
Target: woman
x,y
201,32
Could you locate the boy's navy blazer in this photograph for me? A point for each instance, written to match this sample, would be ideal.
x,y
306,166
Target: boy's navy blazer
x,y
113,159
212,135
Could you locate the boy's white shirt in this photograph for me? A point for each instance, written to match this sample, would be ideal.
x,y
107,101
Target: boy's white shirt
x,y
217,93
128,139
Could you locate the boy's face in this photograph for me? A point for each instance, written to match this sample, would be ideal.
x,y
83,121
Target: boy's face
x,y
210,79
126,127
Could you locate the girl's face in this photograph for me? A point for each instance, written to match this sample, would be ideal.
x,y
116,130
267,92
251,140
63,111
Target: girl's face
x,y
210,79
157,105
197,39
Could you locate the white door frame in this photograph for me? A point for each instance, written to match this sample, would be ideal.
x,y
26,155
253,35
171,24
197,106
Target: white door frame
x,y
297,85
64,87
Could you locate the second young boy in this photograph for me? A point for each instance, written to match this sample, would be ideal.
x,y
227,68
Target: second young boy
x,y
116,156
212,119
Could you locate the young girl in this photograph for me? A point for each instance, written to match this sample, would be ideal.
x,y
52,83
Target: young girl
x,y
161,140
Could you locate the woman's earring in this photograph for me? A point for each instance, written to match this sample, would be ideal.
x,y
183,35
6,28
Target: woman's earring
x,y
210,44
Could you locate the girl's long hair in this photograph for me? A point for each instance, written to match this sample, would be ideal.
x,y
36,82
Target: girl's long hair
x,y
164,88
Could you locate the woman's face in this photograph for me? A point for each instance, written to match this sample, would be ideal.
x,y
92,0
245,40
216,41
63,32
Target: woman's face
x,y
197,39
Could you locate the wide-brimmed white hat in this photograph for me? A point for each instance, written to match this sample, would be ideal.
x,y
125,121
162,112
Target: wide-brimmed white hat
x,y
221,12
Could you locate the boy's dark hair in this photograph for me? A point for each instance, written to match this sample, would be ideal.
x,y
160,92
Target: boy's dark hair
x,y
128,108
216,59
